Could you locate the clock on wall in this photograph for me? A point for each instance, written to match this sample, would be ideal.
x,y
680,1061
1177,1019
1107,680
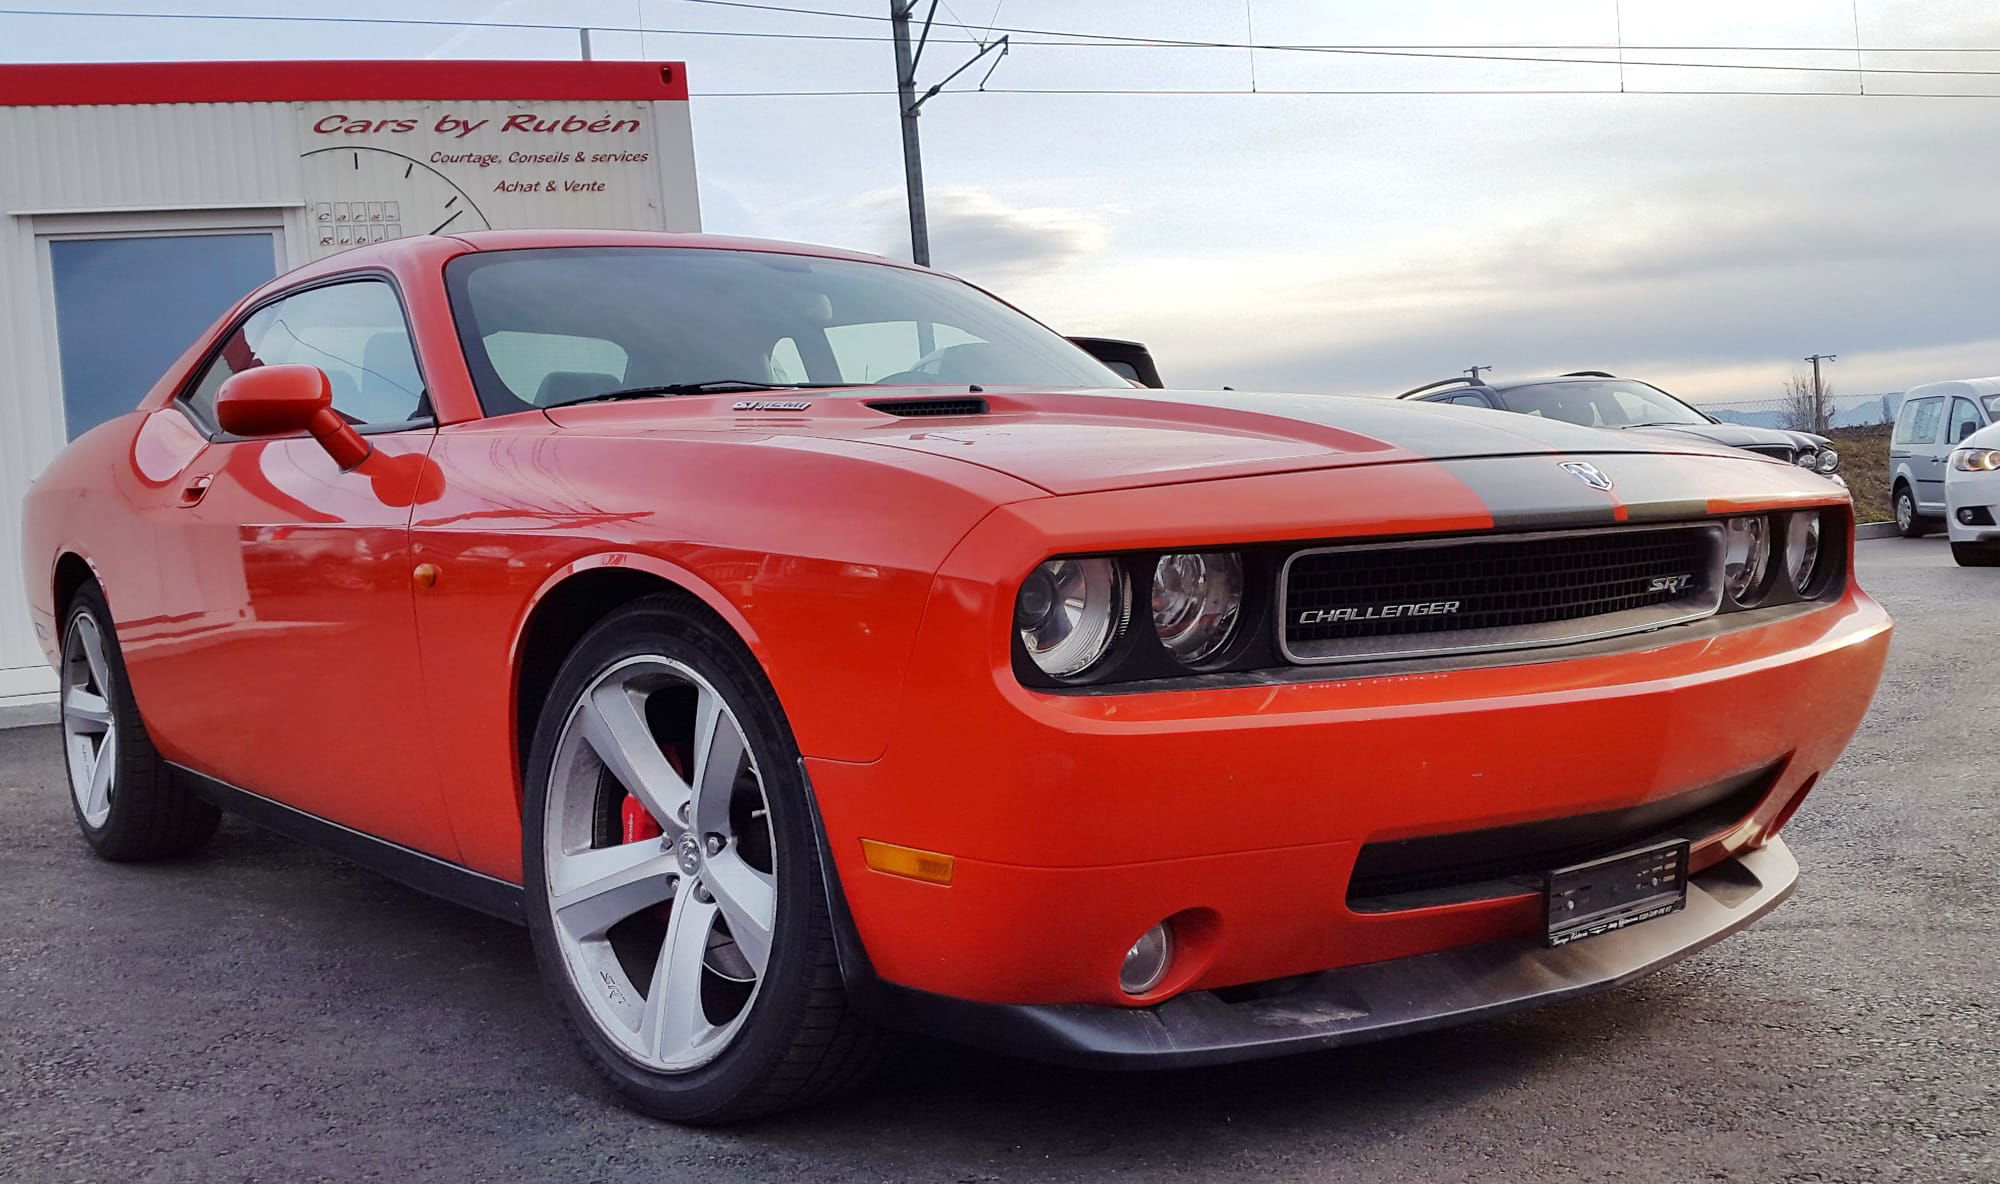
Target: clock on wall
x,y
357,195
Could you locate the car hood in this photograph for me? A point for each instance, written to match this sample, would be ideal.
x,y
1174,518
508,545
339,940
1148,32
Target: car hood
x,y
1086,440
1738,435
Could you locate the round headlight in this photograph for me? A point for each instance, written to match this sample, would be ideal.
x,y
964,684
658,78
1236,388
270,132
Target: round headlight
x,y
1807,459
1829,460
1802,547
1746,552
1197,598
1069,612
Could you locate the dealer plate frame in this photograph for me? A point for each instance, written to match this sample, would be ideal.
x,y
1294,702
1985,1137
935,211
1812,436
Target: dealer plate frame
x,y
1615,891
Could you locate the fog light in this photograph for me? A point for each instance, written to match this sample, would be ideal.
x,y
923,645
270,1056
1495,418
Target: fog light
x,y
1146,962
1966,515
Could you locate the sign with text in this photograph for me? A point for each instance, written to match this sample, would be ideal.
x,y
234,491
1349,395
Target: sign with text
x,y
381,170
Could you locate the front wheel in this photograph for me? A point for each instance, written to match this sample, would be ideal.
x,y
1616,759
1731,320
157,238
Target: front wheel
x,y
1909,522
675,898
126,801
1976,554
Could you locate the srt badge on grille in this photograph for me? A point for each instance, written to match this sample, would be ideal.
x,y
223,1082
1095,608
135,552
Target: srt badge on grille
x,y
1670,583
1377,612
1587,473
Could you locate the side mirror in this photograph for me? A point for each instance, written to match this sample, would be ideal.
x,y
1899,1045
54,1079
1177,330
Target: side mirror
x,y
285,400
1964,430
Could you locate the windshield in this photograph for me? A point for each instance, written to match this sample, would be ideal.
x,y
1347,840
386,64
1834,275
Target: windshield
x,y
1608,403
542,327
1992,406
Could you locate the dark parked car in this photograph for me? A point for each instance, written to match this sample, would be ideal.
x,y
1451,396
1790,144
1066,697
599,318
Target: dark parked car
x,y
1596,399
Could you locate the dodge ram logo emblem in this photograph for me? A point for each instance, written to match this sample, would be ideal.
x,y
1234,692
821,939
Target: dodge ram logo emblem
x,y
1587,473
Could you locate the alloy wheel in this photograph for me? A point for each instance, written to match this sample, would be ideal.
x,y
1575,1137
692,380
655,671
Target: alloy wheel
x,y
90,734
660,861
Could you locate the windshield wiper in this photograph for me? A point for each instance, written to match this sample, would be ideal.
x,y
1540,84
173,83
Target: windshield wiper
x,y
713,386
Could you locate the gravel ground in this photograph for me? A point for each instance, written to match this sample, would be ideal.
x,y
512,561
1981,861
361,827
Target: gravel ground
x,y
265,1012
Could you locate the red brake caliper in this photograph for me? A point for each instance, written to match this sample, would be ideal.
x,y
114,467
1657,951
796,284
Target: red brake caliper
x,y
635,821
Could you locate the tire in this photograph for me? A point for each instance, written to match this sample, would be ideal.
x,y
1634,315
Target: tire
x,y
1976,554
730,1040
127,802
1909,523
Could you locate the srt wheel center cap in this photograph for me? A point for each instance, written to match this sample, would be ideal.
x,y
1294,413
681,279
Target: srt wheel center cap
x,y
687,852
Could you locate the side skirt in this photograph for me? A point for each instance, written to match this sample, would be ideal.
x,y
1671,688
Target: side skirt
x,y
425,873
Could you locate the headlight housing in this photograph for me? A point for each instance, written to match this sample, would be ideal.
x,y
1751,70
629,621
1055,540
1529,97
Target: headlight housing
x,y
1197,600
1802,547
1976,460
1069,612
1746,553
1829,460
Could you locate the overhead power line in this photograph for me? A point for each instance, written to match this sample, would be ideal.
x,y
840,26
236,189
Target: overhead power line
x,y
1538,54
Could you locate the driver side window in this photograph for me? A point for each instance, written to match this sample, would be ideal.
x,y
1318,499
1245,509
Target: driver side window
x,y
353,331
1964,420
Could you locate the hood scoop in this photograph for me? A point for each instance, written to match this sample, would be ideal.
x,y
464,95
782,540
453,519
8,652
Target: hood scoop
x,y
922,408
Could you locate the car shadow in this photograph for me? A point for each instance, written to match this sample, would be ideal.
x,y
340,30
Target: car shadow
x,y
404,991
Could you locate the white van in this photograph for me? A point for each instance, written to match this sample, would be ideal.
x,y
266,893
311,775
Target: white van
x,y
1932,421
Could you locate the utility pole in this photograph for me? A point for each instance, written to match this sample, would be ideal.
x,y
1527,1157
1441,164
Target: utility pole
x,y
1474,371
583,36
906,102
1820,417
909,103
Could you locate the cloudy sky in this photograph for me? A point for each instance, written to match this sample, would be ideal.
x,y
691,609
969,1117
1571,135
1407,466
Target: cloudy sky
x,y
1351,242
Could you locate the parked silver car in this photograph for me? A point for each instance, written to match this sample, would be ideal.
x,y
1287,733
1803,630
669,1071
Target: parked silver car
x,y
1933,419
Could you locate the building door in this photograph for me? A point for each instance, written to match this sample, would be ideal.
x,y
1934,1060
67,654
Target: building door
x,y
127,304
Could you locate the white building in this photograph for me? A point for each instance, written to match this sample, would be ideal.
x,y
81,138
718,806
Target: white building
x,y
138,201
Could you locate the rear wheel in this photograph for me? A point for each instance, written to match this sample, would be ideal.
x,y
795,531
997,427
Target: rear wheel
x,y
1976,554
124,796
675,896
1909,522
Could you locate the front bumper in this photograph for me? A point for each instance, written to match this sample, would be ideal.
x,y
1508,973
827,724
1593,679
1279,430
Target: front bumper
x,y
1976,491
1078,821
1354,1004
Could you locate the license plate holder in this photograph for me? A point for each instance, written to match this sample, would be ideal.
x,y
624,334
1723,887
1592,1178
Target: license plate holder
x,y
1607,894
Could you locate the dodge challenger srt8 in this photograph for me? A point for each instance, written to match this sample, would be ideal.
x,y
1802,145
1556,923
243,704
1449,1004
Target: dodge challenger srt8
x,y
805,646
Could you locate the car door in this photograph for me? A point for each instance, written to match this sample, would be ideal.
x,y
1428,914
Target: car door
x,y
277,651
1914,446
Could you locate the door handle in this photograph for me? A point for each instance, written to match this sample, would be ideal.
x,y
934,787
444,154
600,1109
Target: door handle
x,y
195,489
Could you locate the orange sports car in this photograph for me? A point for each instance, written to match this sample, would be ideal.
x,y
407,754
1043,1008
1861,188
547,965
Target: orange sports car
x,y
804,645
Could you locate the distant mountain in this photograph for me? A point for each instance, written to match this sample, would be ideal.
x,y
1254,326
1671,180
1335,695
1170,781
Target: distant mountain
x,y
1849,411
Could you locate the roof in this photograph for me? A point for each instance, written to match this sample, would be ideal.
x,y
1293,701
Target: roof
x,y
109,83
1971,387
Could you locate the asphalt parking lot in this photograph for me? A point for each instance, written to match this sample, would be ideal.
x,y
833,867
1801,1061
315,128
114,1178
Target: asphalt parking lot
x,y
266,1012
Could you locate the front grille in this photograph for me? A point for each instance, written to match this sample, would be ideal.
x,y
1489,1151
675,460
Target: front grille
x,y
1482,864
928,407
1781,451
1391,600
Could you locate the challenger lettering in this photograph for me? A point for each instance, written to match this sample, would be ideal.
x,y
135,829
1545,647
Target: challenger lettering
x,y
1377,612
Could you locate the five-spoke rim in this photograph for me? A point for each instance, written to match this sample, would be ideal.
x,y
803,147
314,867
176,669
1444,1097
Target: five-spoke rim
x,y
661,869
89,738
